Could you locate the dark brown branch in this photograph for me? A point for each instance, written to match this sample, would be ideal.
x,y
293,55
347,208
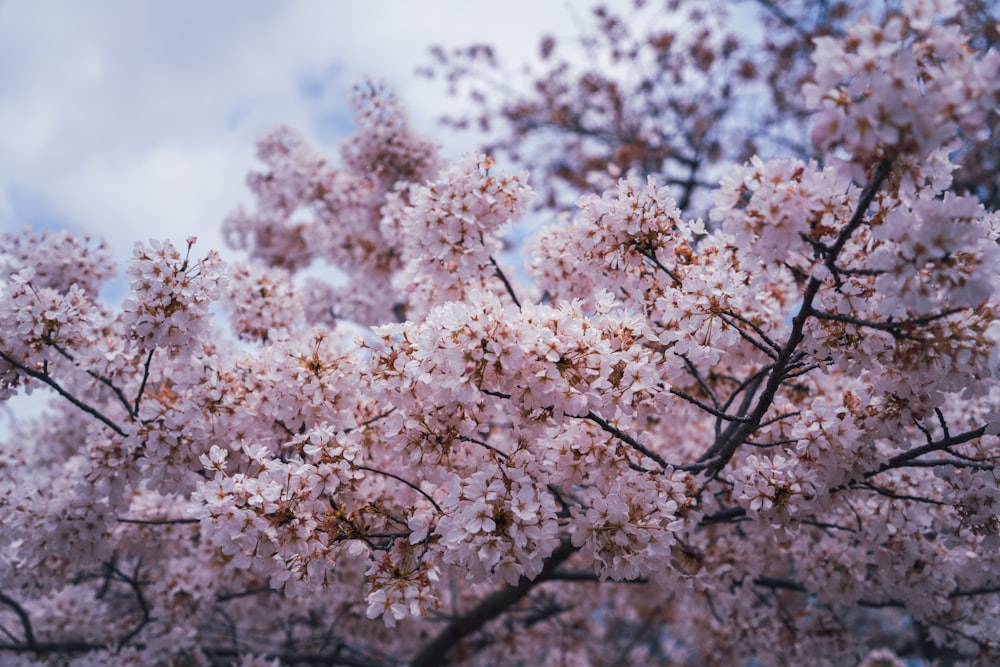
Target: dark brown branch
x,y
22,615
696,374
262,590
880,173
142,385
485,445
971,592
724,516
707,408
53,647
506,283
891,326
133,583
889,493
100,378
901,460
45,378
625,437
768,346
651,256
158,522
719,455
436,652
404,481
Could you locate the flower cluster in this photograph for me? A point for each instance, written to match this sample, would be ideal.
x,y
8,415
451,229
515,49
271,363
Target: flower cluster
x,y
306,209
275,517
621,235
778,489
263,304
169,304
775,210
629,528
296,175
401,585
59,260
39,318
549,362
450,229
498,523
903,88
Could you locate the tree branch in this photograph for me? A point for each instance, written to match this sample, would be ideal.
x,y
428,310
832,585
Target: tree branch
x,y
45,378
506,283
718,456
435,653
29,635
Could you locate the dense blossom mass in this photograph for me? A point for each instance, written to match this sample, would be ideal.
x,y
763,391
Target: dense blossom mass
x,y
764,436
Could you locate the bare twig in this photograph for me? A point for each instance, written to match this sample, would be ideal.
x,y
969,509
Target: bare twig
x,y
22,615
506,283
45,378
404,481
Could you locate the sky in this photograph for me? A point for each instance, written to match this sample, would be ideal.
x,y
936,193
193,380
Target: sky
x,y
137,120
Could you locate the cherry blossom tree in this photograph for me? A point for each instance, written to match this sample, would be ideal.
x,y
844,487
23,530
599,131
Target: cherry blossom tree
x,y
766,437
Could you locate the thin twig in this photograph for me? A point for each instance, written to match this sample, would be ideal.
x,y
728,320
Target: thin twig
x,y
158,522
29,635
506,283
624,437
45,378
404,481
142,385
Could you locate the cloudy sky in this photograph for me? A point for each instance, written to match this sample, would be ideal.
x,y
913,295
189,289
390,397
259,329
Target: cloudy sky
x,y
132,120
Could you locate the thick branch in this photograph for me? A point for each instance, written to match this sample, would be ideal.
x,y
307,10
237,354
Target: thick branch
x,y
435,653
901,460
718,456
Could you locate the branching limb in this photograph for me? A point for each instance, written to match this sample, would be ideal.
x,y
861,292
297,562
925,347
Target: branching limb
x,y
696,374
765,344
906,458
895,327
436,652
133,583
721,453
142,385
44,377
22,615
706,408
651,256
100,378
889,493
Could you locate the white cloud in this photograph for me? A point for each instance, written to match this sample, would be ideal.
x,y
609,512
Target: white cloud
x,y
137,120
